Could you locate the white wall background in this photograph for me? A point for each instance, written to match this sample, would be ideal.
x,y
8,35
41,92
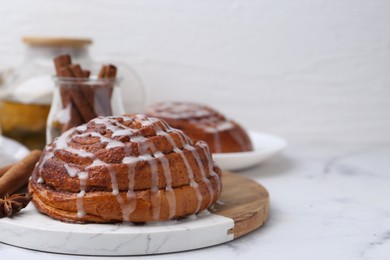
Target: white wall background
x,y
308,70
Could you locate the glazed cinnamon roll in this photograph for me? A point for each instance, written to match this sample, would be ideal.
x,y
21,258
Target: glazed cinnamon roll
x,y
200,122
128,168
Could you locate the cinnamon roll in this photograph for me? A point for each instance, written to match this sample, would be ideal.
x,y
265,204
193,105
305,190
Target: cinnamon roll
x,y
200,122
124,168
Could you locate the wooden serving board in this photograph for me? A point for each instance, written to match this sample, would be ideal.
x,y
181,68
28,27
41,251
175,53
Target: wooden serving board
x,y
243,200
242,208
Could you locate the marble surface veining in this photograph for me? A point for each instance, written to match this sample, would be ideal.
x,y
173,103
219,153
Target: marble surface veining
x,y
327,202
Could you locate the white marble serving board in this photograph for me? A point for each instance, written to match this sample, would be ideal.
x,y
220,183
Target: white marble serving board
x,y
30,229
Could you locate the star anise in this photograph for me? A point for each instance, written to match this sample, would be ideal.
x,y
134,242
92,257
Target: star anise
x,y
10,205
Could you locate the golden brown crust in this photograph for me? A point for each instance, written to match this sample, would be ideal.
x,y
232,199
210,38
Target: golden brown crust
x,y
200,122
85,174
103,206
100,177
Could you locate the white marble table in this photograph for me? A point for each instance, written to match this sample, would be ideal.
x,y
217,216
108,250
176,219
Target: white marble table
x,y
327,202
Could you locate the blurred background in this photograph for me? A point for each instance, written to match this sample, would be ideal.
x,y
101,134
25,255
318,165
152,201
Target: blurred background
x,y
310,71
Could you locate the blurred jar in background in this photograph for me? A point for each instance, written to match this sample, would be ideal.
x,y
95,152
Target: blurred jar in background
x,y
78,100
26,96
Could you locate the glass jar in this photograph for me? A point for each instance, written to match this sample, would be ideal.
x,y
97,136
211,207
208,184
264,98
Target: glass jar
x,y
78,100
26,97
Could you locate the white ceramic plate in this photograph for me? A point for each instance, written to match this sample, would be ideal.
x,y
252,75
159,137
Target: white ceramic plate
x,y
11,151
265,146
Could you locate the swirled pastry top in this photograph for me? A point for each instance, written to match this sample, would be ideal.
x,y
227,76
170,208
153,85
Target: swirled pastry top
x,y
201,122
127,168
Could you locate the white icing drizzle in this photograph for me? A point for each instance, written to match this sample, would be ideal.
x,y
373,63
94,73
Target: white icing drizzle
x,y
147,152
71,170
111,143
81,128
183,138
114,182
131,160
171,197
179,110
47,155
110,123
131,197
123,132
200,166
193,183
80,204
96,162
61,143
202,117
129,204
210,162
144,145
83,177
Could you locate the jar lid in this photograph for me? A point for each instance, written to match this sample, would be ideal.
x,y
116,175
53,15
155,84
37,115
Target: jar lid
x,y
56,41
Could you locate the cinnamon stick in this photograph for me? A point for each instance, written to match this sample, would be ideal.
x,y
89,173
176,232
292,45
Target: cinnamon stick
x,y
107,72
102,72
76,70
83,95
61,62
5,169
74,93
104,93
75,116
88,91
67,98
63,68
86,73
66,72
18,175
85,101
111,71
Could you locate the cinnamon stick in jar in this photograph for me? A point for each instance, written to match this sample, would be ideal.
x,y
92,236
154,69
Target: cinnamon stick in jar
x,y
83,99
76,93
86,73
107,72
60,62
104,92
18,175
96,107
72,95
